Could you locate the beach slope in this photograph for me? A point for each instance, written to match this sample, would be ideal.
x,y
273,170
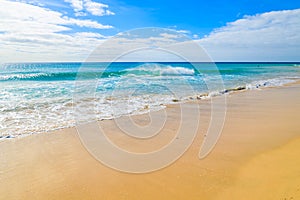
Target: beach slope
x,y
257,157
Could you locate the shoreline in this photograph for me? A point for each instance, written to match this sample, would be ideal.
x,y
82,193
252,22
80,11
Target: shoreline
x,y
55,164
195,98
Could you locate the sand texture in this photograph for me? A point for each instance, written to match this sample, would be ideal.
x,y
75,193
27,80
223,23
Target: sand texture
x,y
256,157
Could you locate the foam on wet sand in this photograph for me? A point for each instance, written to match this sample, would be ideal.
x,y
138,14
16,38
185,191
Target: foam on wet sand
x,y
255,158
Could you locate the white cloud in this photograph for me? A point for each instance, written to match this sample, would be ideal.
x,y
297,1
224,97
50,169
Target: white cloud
x,y
97,9
77,5
32,33
22,17
33,2
169,36
266,37
183,31
87,23
271,36
47,47
94,8
80,14
90,35
148,45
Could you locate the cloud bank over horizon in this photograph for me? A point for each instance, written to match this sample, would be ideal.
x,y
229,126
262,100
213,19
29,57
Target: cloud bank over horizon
x,y
32,32
267,36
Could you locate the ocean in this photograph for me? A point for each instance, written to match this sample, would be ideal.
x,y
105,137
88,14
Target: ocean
x,y
40,97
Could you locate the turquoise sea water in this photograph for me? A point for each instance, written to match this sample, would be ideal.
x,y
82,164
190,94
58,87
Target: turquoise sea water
x,y
38,97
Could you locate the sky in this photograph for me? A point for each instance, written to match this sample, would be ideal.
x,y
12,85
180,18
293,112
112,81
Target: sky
x,y
228,30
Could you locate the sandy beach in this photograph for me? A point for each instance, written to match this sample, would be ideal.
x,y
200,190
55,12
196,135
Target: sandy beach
x,y
256,157
149,100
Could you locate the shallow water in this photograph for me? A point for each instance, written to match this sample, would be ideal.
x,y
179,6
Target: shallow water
x,y
39,97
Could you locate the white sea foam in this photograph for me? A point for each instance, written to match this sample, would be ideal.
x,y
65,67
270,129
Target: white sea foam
x,y
34,107
28,116
270,83
4,77
161,70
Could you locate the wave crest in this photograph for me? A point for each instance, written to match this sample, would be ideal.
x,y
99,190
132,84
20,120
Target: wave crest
x,y
158,70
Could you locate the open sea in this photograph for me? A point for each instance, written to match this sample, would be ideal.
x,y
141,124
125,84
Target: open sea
x,y
39,97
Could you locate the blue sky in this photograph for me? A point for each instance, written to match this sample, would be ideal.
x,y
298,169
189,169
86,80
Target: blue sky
x,y
31,29
200,17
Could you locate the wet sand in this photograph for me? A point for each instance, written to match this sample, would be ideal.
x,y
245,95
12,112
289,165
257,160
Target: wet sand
x,y
256,157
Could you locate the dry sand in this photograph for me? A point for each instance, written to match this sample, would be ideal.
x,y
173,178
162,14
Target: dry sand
x,y
274,174
256,157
